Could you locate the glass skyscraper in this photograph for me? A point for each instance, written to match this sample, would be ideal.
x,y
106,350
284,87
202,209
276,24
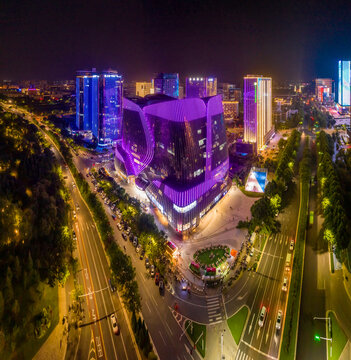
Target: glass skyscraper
x,y
344,83
166,84
176,150
99,104
258,127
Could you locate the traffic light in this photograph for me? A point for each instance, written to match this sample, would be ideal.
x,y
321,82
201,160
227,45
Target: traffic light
x,y
317,338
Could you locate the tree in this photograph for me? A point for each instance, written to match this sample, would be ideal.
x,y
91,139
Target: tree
x,y
17,269
2,305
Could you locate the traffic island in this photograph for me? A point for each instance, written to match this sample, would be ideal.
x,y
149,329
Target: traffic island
x,y
197,335
237,322
339,339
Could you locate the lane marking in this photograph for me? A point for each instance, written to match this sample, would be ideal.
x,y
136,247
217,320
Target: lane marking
x,y
162,337
259,351
253,318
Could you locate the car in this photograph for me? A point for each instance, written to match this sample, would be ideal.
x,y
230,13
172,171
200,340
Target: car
x,y
74,214
87,175
112,285
115,327
65,177
142,254
138,248
135,242
128,230
74,235
113,216
262,316
278,323
251,252
119,227
147,263
292,244
161,286
285,284
77,206
157,278
124,236
152,270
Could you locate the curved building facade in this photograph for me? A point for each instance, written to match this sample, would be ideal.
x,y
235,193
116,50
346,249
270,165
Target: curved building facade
x,y
178,150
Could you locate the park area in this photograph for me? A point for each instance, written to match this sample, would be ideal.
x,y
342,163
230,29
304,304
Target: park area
x,y
212,256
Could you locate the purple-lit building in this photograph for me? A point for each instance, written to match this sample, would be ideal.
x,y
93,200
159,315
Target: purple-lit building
x,y
199,87
175,150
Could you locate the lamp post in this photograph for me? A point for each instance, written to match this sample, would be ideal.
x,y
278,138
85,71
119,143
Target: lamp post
x,y
319,338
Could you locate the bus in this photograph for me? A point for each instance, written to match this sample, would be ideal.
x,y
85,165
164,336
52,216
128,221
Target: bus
x,y
287,262
171,250
311,217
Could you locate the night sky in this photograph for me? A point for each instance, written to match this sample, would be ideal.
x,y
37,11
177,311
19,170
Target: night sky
x,y
288,40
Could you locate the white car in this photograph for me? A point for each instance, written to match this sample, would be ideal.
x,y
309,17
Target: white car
x,y
115,327
138,248
262,316
119,227
278,323
74,214
292,244
285,284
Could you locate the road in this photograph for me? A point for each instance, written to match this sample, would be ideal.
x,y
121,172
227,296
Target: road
x,y
164,324
264,288
99,300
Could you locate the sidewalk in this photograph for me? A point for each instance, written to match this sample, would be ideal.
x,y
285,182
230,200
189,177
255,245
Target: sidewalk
x,y
213,346
55,346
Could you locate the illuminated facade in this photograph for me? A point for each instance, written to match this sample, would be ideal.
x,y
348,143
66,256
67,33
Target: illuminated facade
x,y
199,87
344,83
230,110
99,104
230,92
258,127
166,84
143,88
324,89
176,150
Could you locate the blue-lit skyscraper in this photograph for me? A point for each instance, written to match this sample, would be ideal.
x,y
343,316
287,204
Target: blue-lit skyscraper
x,y
99,104
87,101
167,84
344,83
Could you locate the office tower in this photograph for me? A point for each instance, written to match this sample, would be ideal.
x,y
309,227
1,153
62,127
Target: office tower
x,y
344,84
87,85
258,127
99,104
167,84
324,89
176,151
230,110
230,92
199,87
143,88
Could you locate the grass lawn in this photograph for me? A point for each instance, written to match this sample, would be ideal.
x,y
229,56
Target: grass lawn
x,y
50,297
287,351
204,257
194,331
236,323
339,339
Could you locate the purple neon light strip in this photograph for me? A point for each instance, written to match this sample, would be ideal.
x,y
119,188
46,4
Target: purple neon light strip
x,y
184,198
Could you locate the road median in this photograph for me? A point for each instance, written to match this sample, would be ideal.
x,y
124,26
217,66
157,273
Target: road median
x,y
292,314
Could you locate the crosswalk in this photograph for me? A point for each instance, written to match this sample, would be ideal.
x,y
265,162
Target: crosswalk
x,y
240,355
214,309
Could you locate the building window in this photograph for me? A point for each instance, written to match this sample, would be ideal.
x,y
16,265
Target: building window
x,y
185,208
